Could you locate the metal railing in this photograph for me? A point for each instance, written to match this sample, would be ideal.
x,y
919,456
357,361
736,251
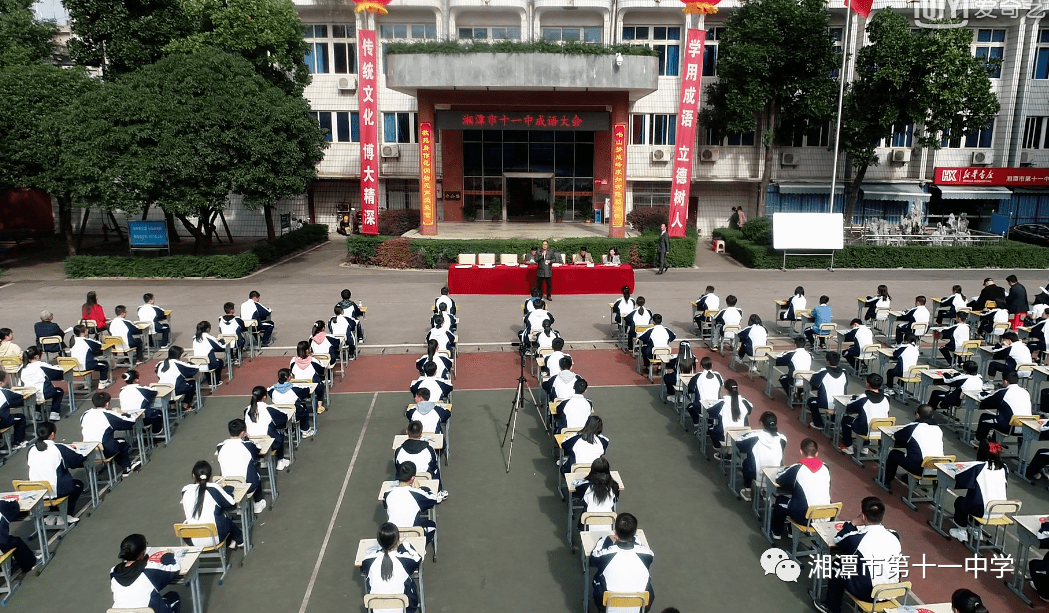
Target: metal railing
x,y
973,238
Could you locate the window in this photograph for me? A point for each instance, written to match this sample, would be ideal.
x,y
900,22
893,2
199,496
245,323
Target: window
x,y
336,54
902,136
737,139
653,129
650,194
814,135
990,46
836,35
1041,59
399,128
980,139
564,35
490,33
710,52
408,31
664,39
339,126
1036,133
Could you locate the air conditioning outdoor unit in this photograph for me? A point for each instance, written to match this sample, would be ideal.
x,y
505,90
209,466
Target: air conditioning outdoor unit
x,y
708,154
348,84
982,158
661,155
390,151
1026,157
901,155
788,159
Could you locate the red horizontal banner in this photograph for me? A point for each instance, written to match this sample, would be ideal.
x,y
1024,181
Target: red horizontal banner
x,y
1004,177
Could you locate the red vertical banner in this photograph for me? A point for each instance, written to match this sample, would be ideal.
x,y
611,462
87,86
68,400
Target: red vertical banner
x,y
369,128
616,229
685,137
426,183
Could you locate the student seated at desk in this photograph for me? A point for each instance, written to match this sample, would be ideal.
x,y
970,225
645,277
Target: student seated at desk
x,y
1039,569
827,383
969,380
709,301
658,336
205,502
950,305
982,483
552,363
47,327
136,580
598,491
430,414
86,351
157,319
871,543
534,320
97,426
622,564
439,388
173,371
445,299
238,457
731,411
623,306
1038,338
545,338
127,331
859,413
261,419
40,375
575,409
1013,352
705,389
23,553
305,366
967,601
794,305
640,317
752,336
762,448
954,337
352,310
798,359
1001,406
906,355
230,324
860,335
206,345
881,300
321,343
286,392
585,446
912,444
562,385
731,315
397,562
253,309
918,314
531,301
451,322
134,397
406,504
444,365
440,333
12,400
684,363
344,327
419,452
808,482
820,315
50,461
994,315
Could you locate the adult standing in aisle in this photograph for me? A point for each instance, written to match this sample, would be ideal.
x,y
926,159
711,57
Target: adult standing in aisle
x,y
663,248
545,260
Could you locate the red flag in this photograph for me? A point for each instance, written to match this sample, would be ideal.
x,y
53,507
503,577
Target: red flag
x,y
862,7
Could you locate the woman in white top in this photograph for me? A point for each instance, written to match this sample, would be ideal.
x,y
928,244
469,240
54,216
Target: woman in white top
x,y
39,375
795,304
586,445
880,301
598,491
320,342
173,371
729,412
263,420
705,389
754,335
205,502
206,345
305,366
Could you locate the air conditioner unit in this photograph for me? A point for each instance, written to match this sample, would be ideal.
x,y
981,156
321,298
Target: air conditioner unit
x,y
982,158
348,84
708,154
788,159
662,155
1026,157
901,155
390,151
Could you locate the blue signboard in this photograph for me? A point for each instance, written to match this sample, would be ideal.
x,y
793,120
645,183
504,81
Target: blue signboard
x,y
148,234
1000,224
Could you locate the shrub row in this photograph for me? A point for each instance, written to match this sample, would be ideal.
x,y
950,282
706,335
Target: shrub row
x,y
1009,254
221,266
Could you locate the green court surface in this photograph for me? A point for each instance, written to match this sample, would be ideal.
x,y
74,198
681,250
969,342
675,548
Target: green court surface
x,y
501,536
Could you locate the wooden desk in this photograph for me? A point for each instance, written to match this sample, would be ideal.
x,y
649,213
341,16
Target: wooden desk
x,y
265,445
946,474
1033,430
929,378
245,507
91,452
571,481
436,441
189,563
32,504
589,540
732,436
766,492
1027,539
418,543
885,445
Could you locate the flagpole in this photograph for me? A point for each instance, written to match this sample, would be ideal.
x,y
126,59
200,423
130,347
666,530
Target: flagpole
x,y
841,96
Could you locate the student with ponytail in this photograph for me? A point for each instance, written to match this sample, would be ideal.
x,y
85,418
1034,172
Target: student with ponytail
x,y
444,365
205,502
684,363
263,420
206,345
762,448
173,371
345,328
134,397
983,483
304,366
320,342
967,601
598,491
50,461
705,389
585,446
286,392
38,374
731,411
397,562
137,580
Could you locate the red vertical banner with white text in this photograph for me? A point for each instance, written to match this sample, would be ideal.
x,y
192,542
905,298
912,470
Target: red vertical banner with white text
x,y
685,137
369,127
426,182
616,228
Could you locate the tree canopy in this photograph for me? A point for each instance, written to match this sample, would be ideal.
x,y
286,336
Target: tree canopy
x,y
122,35
23,38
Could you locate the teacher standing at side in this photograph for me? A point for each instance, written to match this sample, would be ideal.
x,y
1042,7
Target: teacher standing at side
x,y
662,248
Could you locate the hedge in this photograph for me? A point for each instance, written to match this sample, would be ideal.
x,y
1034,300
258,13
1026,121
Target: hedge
x,y
1009,254
433,251
177,266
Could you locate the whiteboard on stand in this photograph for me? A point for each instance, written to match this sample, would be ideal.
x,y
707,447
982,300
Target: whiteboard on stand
x,y
808,231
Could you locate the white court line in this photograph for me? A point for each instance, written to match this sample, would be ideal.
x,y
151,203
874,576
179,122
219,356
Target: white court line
x,y
335,513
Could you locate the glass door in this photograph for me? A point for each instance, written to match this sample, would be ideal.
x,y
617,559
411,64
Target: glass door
x,y
528,196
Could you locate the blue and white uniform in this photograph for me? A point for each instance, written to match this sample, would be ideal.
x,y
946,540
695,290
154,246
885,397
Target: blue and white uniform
x,y
954,337
1006,402
808,482
983,483
913,443
98,425
235,326
958,383
156,318
40,375
12,400
827,383
439,388
86,350
444,366
751,337
860,337
237,458
217,500
421,454
719,418
798,359
574,412
250,310
405,563
578,450
795,304
138,586
705,389
181,375
860,412
406,506
207,346
53,465
135,397
872,544
430,414
621,567
762,449
272,423
915,315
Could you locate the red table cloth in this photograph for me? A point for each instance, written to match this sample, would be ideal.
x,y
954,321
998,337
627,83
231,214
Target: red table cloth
x,y
515,280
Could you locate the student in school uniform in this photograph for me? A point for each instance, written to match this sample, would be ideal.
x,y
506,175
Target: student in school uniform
x,y
444,365
406,504
951,305
820,315
1039,568
23,553
827,383
206,345
684,363
305,366
545,338
563,384
982,483
859,413
705,389
799,359
918,314
709,301
419,452
137,579
575,409
127,331
47,327
732,411
12,400
445,299
134,397
439,388
552,363
995,315
429,413
86,351
253,309
598,492
261,419
968,380
762,448
451,322
40,375
1038,338
321,343
8,349
238,457
912,443
621,564
388,569
91,310
656,336
860,335
870,542
752,336
808,484
623,306
1016,302
1001,406
286,392
880,300
534,320
906,355
50,461
353,310
230,324
640,317
98,425
795,304
150,312
205,502
585,446
173,371
731,315
954,337
1013,352
441,334
530,302
345,328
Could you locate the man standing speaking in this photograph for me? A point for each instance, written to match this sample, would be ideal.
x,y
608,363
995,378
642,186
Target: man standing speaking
x,y
544,260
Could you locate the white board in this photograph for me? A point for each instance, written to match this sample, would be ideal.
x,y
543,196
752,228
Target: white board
x,y
808,231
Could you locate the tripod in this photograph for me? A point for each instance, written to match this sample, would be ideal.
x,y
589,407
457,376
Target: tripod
x,y
516,405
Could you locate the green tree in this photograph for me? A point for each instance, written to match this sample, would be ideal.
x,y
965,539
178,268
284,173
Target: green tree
x,y
775,63
122,35
23,38
928,79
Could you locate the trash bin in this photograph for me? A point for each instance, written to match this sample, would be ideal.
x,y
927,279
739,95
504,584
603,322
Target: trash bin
x,y
597,215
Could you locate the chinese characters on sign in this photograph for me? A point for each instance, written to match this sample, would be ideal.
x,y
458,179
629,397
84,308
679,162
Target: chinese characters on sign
x,y
369,133
426,182
616,229
687,116
827,566
1007,177
941,14
521,120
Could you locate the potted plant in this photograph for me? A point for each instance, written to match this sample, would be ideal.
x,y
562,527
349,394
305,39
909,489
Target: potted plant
x,y
495,208
560,206
469,213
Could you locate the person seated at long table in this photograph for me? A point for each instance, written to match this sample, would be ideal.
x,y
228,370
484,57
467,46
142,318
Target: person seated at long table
x,y
583,257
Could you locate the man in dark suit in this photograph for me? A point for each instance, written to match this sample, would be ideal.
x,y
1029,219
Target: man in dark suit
x,y
662,248
544,260
1016,302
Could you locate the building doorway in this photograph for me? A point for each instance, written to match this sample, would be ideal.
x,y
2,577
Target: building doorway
x,y
528,196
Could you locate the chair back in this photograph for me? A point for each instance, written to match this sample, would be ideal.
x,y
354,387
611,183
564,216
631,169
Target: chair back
x,y
661,353
730,331
1018,420
90,324
64,361
971,345
868,352
1001,508
881,422
411,531
625,599
32,486
827,329
929,463
228,339
199,360
581,467
890,591
116,341
468,258
763,350
598,519
916,370
486,258
383,602
919,329
50,340
1024,371
823,512
508,258
196,531
881,313
12,364
990,304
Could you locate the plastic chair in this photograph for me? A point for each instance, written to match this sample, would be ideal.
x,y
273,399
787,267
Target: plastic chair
x,y
625,600
805,534
920,488
868,354
997,517
861,441
212,553
57,507
966,352
885,596
468,258
908,385
486,259
385,602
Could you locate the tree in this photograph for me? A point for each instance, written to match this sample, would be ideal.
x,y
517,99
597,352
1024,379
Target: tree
x,y
775,63
23,38
122,35
927,78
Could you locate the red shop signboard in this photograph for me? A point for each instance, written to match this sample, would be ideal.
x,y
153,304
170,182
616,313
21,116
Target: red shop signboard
x,y
1001,177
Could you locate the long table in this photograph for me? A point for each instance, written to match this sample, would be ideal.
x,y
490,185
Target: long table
x,y
520,279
